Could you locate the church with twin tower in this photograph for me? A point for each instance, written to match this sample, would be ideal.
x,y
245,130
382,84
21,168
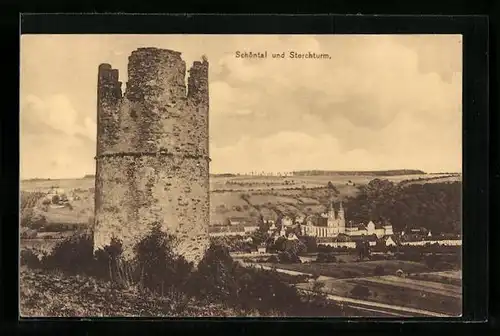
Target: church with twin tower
x,y
329,224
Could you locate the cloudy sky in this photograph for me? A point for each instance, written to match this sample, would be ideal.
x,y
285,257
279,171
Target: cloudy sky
x,y
379,102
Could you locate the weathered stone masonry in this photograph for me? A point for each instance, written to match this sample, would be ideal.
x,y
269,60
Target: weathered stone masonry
x,y
152,152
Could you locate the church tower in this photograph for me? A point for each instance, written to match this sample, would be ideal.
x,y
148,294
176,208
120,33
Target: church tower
x,y
331,216
341,219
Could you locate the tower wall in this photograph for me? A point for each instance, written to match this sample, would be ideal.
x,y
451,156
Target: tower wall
x,y
152,152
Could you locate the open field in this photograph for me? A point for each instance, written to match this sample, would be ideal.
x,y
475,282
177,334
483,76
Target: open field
x,y
67,184
447,277
244,182
420,289
399,291
354,269
266,196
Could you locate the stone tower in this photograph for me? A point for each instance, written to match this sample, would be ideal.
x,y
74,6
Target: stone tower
x,y
152,152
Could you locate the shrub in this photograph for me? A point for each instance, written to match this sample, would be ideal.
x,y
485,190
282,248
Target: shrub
x,y
214,279
273,259
288,258
156,265
360,291
326,257
73,255
29,259
56,199
432,261
32,220
28,233
378,270
107,262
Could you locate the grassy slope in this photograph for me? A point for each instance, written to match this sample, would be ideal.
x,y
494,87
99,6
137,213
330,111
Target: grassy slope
x,y
48,294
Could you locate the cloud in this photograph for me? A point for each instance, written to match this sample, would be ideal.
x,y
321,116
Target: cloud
x,y
371,96
379,102
53,140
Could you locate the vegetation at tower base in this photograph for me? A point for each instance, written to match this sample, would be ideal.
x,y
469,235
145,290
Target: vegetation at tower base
x,y
152,152
434,206
72,281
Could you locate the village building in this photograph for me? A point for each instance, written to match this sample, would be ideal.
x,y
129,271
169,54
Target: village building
x,y
272,229
250,227
237,220
287,221
261,249
389,241
299,219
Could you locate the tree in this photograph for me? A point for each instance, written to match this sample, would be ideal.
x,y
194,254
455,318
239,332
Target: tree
x,y
260,235
309,243
294,246
56,199
363,249
215,277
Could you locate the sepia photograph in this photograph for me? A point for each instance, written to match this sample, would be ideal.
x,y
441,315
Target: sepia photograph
x,y
182,175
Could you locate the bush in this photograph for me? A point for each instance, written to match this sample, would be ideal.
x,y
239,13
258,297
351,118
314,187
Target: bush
x,y
273,259
157,267
56,199
378,270
288,258
28,233
360,291
32,220
214,279
326,257
107,262
73,256
29,259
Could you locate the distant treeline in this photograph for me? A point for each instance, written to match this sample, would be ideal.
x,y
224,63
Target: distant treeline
x,y
36,179
223,175
434,206
363,173
89,176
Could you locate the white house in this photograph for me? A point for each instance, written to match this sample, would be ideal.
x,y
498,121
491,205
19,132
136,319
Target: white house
x,y
444,242
348,244
261,249
378,230
286,221
272,229
299,219
250,227
390,242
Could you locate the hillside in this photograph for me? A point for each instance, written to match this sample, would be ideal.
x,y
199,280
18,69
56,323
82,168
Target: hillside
x,y
246,196
395,172
44,294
